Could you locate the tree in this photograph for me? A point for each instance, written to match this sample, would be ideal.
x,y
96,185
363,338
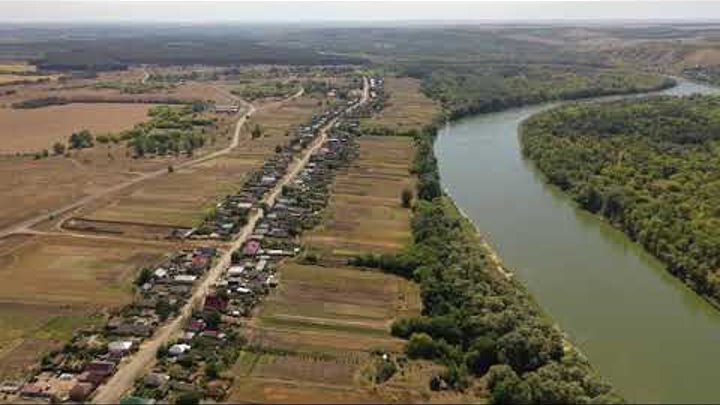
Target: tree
x,y
257,131
145,275
81,140
406,198
481,355
188,398
506,387
59,148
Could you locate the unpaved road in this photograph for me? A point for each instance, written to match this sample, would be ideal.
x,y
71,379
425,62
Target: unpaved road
x,y
145,357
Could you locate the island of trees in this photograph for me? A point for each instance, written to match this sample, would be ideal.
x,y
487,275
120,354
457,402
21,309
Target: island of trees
x,y
651,167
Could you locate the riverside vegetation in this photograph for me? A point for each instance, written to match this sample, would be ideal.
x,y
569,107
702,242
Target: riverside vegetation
x,y
477,321
651,167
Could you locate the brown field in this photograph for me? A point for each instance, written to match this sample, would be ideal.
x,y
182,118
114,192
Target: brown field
x,y
9,78
365,214
179,199
277,121
407,107
53,285
30,130
16,67
34,187
64,270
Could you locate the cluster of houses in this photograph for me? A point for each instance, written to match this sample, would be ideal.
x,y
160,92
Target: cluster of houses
x,y
212,337
92,356
231,214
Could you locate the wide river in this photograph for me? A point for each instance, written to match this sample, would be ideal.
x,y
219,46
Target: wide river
x,y
643,330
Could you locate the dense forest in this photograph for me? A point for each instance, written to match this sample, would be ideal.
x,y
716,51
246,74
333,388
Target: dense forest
x,y
475,321
651,167
468,90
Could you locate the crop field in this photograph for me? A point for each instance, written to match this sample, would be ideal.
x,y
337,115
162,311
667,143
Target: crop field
x,y
276,121
365,213
407,107
181,198
54,285
63,270
31,130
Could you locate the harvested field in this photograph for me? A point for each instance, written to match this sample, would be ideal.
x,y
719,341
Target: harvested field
x,y
31,130
407,107
64,270
347,299
9,78
29,330
365,213
34,187
126,229
276,121
180,199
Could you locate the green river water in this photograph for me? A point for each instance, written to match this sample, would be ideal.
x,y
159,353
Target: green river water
x,y
643,330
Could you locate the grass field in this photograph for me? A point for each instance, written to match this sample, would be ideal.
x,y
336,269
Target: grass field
x,y
407,107
365,213
70,271
54,285
31,130
278,121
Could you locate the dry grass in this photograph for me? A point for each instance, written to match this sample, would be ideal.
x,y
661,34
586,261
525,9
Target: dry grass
x,y
70,271
16,67
407,107
365,213
31,130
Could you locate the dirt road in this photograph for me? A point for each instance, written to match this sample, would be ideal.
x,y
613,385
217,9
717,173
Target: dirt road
x,y
24,225
145,357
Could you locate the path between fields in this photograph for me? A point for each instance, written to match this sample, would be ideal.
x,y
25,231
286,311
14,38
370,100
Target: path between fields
x,y
145,357
24,225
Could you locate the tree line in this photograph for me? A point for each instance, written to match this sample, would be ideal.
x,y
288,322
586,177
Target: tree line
x,y
651,167
475,321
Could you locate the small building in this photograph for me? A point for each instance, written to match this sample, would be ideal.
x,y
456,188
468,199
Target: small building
x,y
120,348
251,248
185,279
215,302
178,349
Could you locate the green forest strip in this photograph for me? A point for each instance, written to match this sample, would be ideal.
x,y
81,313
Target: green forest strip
x,y
650,167
475,321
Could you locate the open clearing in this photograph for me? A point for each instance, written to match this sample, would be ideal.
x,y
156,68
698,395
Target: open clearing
x,y
407,107
365,213
31,130
64,270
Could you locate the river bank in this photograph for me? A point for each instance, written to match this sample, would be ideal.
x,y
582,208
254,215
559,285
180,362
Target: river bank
x,y
639,326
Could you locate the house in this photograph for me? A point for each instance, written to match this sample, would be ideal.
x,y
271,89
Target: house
x,y
197,325
160,273
251,248
185,279
100,367
235,271
120,348
81,391
215,302
178,349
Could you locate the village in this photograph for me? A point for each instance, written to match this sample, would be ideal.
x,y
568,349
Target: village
x,y
211,339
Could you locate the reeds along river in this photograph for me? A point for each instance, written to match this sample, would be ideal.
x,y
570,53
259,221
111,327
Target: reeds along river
x,y
648,334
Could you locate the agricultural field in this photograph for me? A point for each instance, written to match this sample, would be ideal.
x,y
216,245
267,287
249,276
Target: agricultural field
x,y
30,130
178,199
56,284
406,108
277,121
365,213
319,336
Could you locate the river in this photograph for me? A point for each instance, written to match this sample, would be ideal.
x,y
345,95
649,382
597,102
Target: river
x,y
642,329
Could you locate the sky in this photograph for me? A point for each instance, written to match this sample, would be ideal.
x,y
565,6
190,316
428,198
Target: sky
x,y
371,11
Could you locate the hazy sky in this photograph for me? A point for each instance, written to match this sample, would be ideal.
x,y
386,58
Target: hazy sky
x,y
302,11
